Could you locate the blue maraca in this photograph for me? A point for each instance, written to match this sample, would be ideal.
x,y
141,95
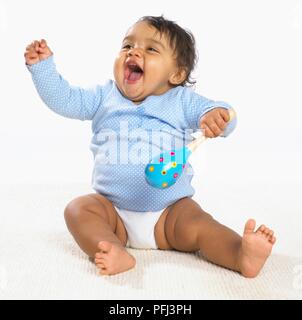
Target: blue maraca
x,y
164,170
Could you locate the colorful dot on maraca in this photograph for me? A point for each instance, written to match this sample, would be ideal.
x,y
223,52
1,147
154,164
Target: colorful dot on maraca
x,y
164,170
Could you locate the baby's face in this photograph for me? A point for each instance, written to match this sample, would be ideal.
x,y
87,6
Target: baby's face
x,y
146,64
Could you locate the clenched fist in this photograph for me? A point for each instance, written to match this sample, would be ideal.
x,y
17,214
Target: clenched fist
x,y
36,52
214,122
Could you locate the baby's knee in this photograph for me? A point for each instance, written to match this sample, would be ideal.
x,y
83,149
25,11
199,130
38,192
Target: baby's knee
x,y
70,210
75,209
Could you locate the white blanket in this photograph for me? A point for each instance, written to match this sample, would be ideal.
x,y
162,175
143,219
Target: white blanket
x,y
40,260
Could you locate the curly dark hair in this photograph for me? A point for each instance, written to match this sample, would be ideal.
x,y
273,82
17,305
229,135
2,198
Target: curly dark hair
x,y
181,41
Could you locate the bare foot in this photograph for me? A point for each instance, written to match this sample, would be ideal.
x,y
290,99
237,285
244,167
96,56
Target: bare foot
x,y
256,246
113,258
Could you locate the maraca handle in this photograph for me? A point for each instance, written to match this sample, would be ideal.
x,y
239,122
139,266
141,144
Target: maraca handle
x,y
195,143
232,114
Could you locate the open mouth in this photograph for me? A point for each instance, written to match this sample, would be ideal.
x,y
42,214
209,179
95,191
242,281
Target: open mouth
x,y
133,72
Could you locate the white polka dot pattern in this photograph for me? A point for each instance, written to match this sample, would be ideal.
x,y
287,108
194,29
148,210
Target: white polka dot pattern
x,y
122,180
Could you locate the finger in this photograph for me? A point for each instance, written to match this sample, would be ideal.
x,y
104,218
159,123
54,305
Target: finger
x,y
207,132
224,114
31,61
43,50
33,46
31,58
36,45
221,124
31,52
214,128
43,43
29,46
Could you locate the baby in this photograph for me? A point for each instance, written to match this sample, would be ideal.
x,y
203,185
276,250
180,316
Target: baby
x,y
150,93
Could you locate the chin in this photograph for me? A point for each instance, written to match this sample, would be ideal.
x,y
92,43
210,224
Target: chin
x,y
137,100
135,97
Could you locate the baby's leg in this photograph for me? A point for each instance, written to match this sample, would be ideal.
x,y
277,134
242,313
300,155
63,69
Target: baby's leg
x,y
100,233
189,228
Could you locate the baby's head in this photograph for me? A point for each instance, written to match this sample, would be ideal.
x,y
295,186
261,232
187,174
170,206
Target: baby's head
x,y
156,55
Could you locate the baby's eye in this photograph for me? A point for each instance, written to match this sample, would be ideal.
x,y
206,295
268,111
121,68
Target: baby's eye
x,y
126,46
152,49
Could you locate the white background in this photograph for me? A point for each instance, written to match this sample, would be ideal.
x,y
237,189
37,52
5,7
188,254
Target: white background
x,y
250,56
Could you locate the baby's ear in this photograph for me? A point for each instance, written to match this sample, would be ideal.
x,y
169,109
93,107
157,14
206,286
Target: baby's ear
x,y
178,77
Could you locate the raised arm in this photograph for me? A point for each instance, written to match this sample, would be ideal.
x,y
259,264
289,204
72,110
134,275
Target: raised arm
x,y
64,99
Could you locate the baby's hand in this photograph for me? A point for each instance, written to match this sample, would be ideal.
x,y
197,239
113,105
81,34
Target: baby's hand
x,y
36,52
214,122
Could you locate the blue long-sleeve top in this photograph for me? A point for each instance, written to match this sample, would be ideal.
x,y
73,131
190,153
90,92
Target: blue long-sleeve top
x,y
126,135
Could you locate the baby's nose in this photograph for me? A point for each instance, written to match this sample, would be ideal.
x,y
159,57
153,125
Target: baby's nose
x,y
137,52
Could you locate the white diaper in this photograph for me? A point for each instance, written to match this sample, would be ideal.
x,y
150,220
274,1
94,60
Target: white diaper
x,y
140,227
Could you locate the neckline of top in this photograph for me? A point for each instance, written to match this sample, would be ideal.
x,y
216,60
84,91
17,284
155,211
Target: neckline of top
x,y
146,99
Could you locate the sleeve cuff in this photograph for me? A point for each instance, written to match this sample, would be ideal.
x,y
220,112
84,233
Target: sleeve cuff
x,y
42,65
231,125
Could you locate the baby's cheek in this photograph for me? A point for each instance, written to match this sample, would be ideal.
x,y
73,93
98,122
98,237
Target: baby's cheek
x,y
117,69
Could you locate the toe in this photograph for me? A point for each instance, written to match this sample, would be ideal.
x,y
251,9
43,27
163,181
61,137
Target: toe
x,y
101,266
250,226
99,255
273,240
104,272
261,229
269,233
104,246
99,260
